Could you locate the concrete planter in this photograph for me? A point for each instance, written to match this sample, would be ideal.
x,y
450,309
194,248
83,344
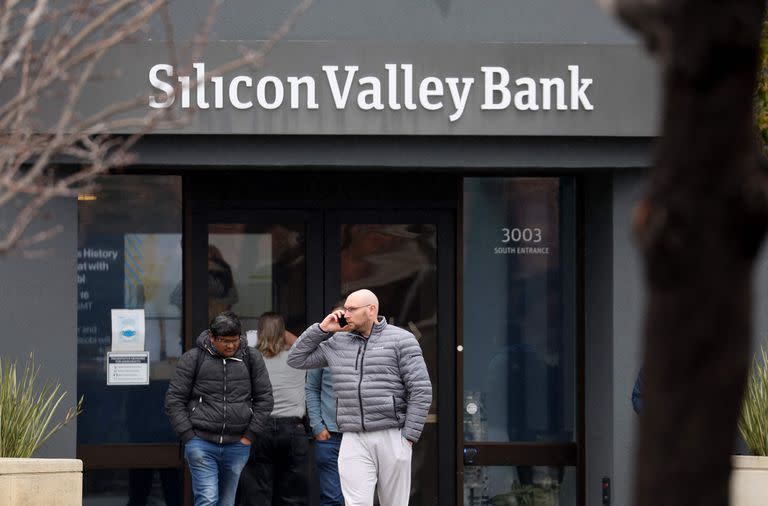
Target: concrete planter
x,y
55,482
749,481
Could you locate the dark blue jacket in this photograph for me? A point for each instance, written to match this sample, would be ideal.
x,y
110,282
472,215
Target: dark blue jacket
x,y
637,391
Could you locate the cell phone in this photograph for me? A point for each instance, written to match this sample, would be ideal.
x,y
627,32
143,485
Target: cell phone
x,y
342,321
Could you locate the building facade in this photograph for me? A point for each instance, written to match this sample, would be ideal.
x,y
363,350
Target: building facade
x,y
475,166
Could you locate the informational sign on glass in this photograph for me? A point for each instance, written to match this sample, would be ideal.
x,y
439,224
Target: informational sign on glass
x,y
128,330
128,368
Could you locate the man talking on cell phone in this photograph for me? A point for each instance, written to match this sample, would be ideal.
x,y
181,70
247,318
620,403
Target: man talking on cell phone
x,y
382,391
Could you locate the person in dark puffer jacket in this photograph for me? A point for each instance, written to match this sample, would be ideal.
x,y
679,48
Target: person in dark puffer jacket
x,y
218,399
382,391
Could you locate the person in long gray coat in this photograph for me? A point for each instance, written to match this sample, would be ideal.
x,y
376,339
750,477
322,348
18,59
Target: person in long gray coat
x,y
382,391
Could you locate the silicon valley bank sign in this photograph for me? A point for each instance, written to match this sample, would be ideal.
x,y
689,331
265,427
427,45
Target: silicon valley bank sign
x,y
396,88
383,88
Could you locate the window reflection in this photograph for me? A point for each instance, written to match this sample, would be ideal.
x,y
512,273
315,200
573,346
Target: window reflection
x,y
222,290
129,257
519,358
528,485
254,268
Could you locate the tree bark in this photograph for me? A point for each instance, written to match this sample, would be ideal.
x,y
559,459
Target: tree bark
x,y
699,229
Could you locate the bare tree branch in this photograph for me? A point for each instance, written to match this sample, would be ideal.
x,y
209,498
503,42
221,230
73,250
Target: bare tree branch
x,y
26,35
48,56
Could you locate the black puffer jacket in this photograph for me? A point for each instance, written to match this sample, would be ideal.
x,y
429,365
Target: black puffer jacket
x,y
221,404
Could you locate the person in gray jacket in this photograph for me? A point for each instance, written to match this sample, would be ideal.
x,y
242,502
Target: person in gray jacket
x,y
382,391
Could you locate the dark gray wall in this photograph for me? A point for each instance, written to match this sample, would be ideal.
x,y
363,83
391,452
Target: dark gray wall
x,y
628,308
614,308
548,21
760,301
396,152
38,297
598,360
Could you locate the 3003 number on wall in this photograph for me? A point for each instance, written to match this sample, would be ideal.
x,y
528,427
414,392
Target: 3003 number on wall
x,y
521,235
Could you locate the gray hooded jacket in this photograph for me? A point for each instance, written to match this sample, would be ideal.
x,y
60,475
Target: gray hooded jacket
x,y
380,382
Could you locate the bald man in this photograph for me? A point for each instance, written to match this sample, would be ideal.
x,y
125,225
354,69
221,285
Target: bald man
x,y
382,391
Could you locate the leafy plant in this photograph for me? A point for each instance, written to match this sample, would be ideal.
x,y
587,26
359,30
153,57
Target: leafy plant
x,y
27,409
753,422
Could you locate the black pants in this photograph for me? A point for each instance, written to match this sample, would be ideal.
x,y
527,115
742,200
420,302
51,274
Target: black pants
x,y
276,472
140,486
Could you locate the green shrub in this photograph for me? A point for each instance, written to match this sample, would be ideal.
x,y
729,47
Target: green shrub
x,y
27,409
753,422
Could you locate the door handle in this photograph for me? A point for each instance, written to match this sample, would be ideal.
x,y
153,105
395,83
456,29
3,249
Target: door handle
x,y
470,455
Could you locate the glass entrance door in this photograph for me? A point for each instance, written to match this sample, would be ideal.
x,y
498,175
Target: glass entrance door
x,y
406,258
257,262
300,263
518,350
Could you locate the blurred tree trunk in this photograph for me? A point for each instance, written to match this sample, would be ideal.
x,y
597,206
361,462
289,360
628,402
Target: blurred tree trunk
x,y
699,227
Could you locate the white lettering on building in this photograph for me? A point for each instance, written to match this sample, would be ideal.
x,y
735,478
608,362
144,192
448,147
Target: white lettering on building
x,y
397,88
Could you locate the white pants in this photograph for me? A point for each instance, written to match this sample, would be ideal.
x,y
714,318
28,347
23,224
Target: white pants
x,y
382,456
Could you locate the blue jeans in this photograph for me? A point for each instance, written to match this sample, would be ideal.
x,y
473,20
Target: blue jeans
x,y
327,459
215,470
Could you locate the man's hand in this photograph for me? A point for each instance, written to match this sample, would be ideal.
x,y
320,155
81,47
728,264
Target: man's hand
x,y
323,436
245,441
331,322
